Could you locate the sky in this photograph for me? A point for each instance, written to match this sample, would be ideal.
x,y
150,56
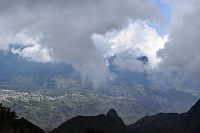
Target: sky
x,y
87,33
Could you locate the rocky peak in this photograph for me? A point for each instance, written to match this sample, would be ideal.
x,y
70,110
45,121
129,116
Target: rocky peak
x,y
112,113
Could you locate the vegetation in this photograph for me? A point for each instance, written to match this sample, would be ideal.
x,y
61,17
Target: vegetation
x,y
10,124
6,114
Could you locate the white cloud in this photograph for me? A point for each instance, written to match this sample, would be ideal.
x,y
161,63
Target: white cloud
x,y
35,52
67,26
135,40
28,46
182,52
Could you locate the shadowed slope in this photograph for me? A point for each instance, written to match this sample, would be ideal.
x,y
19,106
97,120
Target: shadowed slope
x,y
10,124
188,122
110,123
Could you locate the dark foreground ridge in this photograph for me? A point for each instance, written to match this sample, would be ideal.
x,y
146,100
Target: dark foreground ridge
x,y
10,124
188,122
110,123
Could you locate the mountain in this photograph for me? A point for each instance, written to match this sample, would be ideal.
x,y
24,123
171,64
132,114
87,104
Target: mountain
x,y
55,92
29,75
102,123
10,124
56,106
188,122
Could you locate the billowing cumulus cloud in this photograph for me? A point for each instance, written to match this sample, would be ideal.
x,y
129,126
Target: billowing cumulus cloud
x,y
135,40
86,33
61,30
28,46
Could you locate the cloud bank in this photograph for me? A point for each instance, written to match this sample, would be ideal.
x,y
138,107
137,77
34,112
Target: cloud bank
x,y
181,55
61,30
86,33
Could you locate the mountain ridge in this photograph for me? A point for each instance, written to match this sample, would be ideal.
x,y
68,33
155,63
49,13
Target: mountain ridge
x,y
104,123
188,122
9,123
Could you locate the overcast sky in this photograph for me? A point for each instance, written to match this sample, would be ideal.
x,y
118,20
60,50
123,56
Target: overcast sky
x,y
86,33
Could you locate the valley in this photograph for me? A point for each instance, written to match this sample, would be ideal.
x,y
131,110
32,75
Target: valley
x,y
49,108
